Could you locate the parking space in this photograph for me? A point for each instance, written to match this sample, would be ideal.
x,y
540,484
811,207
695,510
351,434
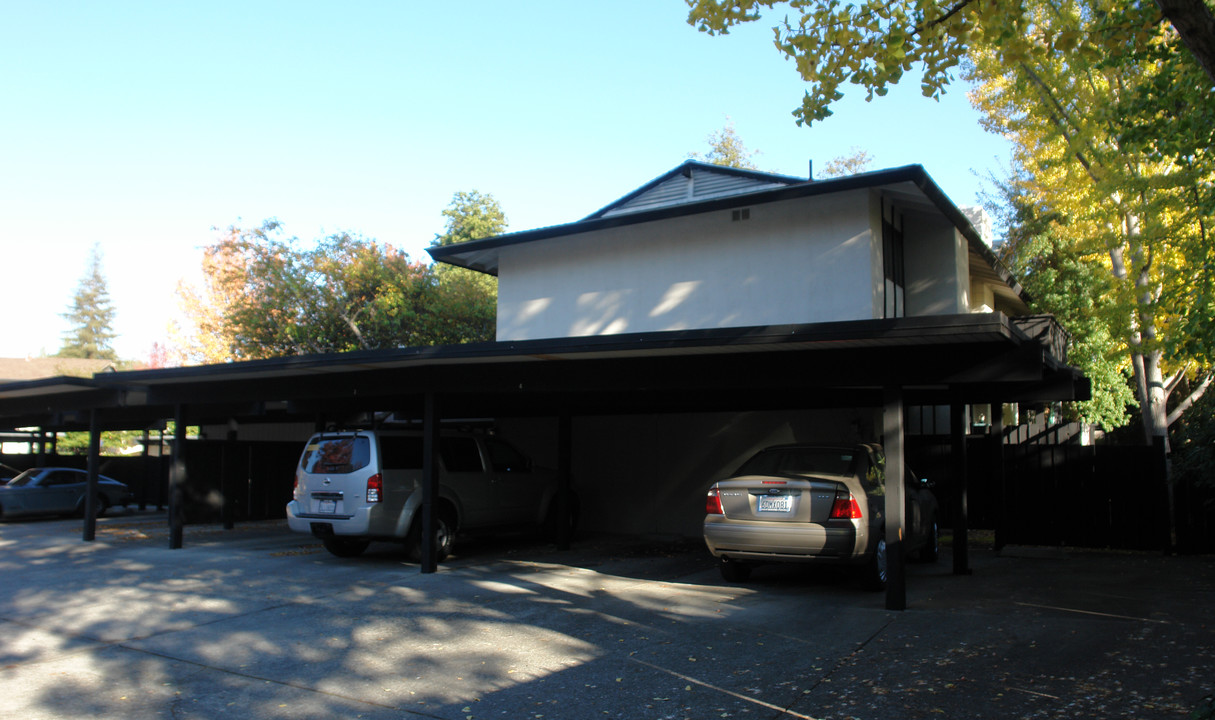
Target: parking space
x,y
261,622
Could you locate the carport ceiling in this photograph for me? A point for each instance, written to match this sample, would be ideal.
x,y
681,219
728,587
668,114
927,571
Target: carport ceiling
x,y
983,356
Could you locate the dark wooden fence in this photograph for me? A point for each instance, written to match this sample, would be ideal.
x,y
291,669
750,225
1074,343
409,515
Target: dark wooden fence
x,y
256,478
1103,496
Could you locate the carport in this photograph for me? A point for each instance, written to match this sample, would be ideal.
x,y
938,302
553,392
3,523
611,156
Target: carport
x,y
951,360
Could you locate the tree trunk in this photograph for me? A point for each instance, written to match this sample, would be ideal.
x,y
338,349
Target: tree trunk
x,y
1193,21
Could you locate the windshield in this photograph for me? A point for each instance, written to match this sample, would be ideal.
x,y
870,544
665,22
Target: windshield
x,y
798,461
23,479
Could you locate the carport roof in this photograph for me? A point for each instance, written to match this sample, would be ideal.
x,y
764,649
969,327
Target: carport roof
x,y
988,357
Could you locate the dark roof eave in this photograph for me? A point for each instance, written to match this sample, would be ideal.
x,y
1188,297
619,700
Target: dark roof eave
x,y
914,330
469,254
452,253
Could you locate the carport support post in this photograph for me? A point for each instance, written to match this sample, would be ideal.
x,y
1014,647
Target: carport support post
x,y
892,431
177,479
996,441
565,441
227,484
430,480
961,539
90,493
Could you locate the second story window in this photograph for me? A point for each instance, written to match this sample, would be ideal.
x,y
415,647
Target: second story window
x,y
892,263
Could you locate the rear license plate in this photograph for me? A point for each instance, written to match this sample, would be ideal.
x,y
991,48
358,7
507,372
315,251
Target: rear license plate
x,y
327,507
775,503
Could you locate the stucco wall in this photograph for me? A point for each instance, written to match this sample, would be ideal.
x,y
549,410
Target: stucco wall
x,y
799,261
936,266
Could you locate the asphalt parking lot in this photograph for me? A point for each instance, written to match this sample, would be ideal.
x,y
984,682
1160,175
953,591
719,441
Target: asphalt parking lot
x,y
260,622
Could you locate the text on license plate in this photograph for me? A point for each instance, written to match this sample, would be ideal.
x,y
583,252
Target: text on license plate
x,y
327,506
775,503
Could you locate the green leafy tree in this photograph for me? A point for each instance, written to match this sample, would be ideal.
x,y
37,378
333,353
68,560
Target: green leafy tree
x,y
1069,284
472,215
469,299
727,149
268,295
91,315
857,161
874,43
1131,203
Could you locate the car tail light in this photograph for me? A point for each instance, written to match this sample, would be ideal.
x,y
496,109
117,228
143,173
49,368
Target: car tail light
x,y
713,503
375,488
845,508
295,487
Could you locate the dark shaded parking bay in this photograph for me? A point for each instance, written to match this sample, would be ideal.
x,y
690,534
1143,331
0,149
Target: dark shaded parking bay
x,y
260,622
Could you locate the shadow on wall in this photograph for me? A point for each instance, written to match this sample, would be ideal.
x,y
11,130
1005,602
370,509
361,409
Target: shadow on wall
x,y
648,474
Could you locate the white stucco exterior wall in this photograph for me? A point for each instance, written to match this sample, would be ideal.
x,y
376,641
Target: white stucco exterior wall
x,y
798,261
936,263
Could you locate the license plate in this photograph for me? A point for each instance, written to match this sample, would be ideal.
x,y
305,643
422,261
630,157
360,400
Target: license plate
x,y
327,506
775,503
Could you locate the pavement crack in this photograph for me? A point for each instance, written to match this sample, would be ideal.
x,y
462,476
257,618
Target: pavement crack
x,y
845,659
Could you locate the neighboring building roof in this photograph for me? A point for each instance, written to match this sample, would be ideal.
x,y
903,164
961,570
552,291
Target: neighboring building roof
x,y
697,187
17,369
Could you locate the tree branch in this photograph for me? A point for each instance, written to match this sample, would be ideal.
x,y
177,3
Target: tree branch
x,y
1189,401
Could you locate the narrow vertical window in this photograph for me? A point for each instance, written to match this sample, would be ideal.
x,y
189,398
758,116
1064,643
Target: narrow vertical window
x,y
892,265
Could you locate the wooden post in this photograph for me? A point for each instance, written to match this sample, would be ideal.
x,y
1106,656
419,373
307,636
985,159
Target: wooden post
x,y
430,480
997,475
177,480
227,483
565,464
896,520
94,462
961,531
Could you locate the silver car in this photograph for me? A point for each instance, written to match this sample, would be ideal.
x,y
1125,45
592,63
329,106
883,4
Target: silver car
x,y
58,491
353,487
811,503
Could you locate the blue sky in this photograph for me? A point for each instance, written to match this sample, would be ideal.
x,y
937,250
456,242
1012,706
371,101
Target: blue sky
x,y
141,126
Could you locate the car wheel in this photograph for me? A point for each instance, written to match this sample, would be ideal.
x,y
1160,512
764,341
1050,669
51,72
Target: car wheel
x,y
345,547
444,537
99,506
734,571
877,568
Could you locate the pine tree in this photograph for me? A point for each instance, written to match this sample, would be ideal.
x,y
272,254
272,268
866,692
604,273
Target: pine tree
x,y
91,315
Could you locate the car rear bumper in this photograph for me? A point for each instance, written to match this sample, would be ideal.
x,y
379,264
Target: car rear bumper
x,y
785,542
355,525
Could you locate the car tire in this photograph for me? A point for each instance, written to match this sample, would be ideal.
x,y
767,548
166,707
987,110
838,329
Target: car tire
x,y
734,571
345,547
877,568
99,505
444,537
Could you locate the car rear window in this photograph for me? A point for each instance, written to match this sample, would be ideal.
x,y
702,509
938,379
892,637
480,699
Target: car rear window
x,y
337,455
798,461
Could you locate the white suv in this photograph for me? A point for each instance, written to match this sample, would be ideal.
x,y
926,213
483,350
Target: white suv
x,y
352,487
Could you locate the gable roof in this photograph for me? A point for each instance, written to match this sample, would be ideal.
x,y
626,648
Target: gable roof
x,y
910,185
691,182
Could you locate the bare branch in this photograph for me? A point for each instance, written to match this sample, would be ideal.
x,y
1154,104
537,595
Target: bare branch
x,y
1189,401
